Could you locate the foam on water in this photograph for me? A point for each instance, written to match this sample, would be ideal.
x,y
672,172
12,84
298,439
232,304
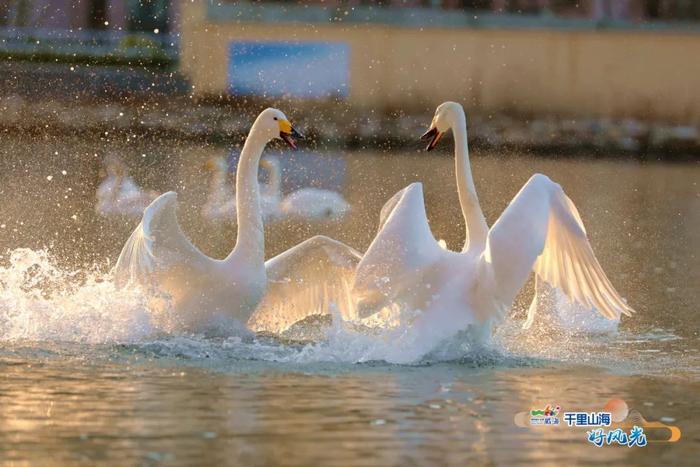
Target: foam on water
x,y
42,305
41,302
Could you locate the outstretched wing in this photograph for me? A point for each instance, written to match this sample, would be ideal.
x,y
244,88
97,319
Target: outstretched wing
x,y
541,230
403,246
306,280
157,245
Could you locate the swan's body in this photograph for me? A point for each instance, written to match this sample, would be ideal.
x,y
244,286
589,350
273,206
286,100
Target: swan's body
x,y
194,287
539,231
118,194
315,204
308,203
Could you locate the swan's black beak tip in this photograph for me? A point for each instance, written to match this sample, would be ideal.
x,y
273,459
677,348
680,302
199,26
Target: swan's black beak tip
x,y
432,136
296,134
291,137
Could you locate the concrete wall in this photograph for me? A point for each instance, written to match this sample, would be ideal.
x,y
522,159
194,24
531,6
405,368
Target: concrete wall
x,y
619,73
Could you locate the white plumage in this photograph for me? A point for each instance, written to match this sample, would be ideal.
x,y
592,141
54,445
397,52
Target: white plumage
x,y
193,288
118,195
539,231
221,198
309,203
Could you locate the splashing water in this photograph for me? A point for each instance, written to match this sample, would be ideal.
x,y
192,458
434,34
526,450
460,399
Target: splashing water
x,y
43,304
40,302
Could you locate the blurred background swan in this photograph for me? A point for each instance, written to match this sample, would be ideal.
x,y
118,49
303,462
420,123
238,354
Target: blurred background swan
x,y
221,197
118,195
304,204
308,203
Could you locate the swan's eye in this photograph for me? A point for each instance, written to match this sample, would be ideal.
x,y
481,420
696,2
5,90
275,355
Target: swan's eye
x,y
274,118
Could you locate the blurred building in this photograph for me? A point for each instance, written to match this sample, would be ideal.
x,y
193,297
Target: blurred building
x,y
592,57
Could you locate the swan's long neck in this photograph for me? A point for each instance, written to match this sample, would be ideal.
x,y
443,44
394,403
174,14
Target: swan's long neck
x,y
250,243
274,185
117,191
217,187
476,227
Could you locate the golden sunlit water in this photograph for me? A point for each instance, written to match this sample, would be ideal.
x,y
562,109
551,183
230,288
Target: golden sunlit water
x,y
86,378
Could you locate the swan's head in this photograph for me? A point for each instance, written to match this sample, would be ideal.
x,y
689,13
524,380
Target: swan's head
x,y
270,163
273,124
217,164
446,116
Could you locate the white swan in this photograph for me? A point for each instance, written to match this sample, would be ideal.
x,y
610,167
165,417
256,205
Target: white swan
x,y
118,194
315,204
271,193
221,199
197,288
539,231
306,203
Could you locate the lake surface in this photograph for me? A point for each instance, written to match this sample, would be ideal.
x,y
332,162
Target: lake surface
x,y
85,377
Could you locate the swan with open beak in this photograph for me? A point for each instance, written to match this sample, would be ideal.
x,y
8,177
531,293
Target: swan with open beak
x,y
288,133
432,136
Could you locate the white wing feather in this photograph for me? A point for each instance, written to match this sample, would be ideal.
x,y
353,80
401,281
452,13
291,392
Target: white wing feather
x,y
541,230
404,246
306,280
156,245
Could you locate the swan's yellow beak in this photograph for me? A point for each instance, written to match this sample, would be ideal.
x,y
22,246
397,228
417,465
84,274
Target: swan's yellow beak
x,y
289,134
215,164
432,136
